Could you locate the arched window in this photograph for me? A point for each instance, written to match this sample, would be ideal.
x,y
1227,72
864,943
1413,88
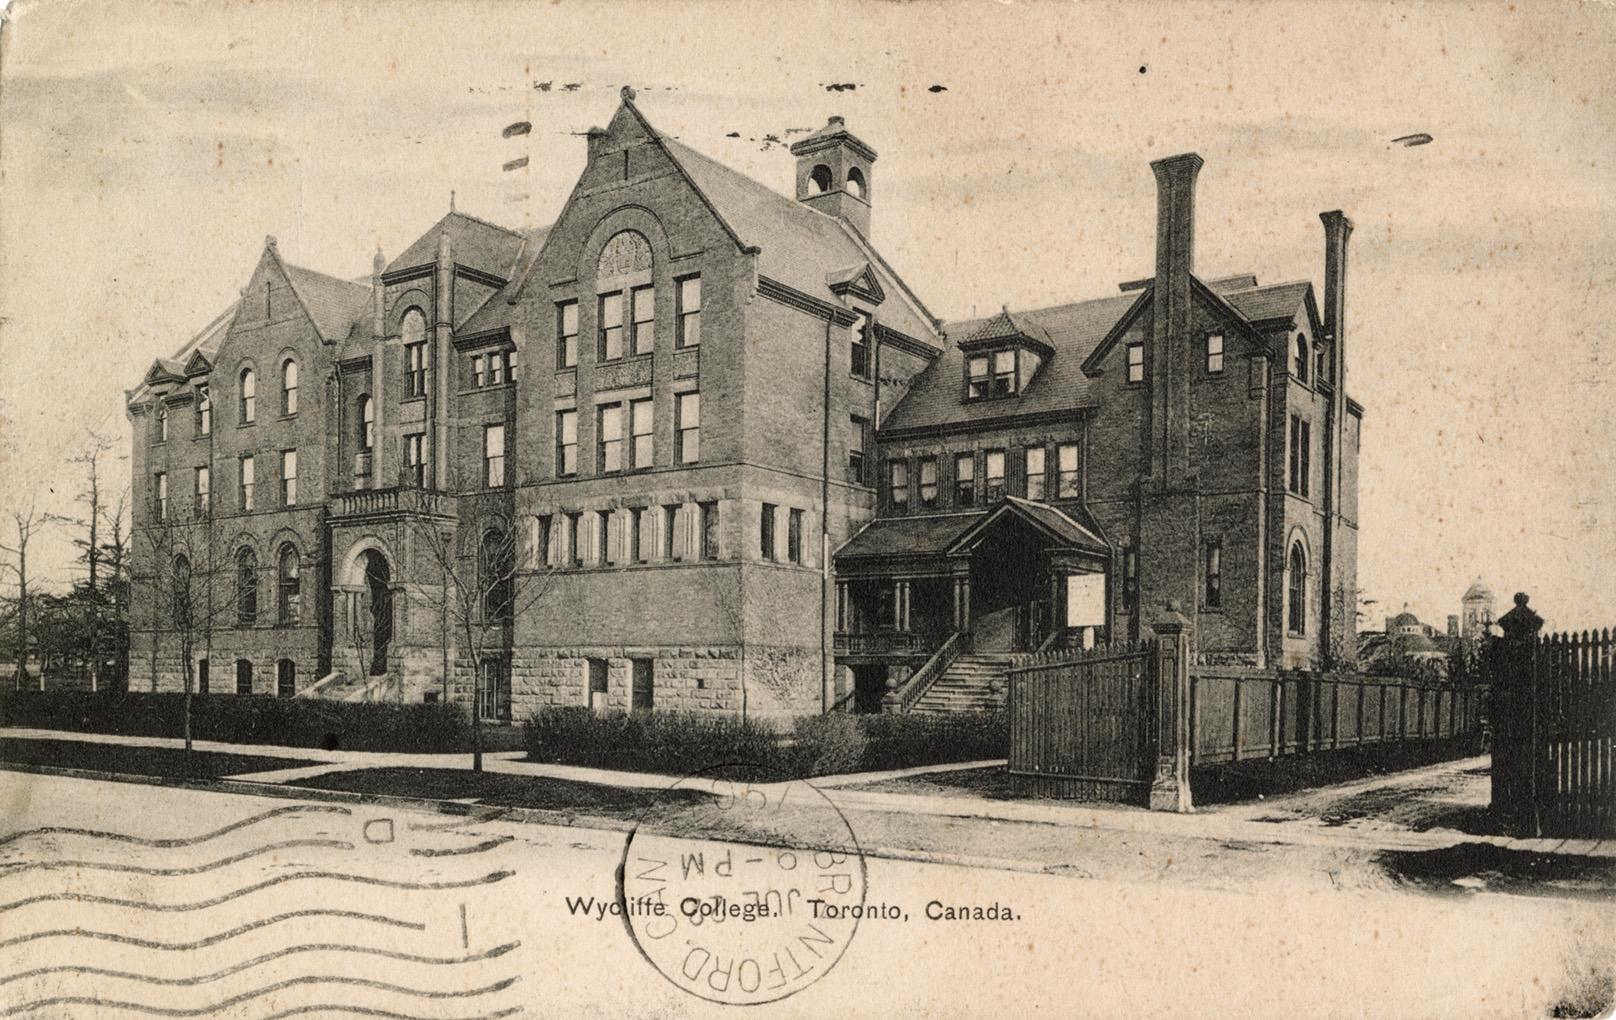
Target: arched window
x,y
289,386
162,421
412,327
204,411
181,593
1301,359
820,180
246,587
412,331
367,423
287,585
1296,591
855,182
495,567
249,396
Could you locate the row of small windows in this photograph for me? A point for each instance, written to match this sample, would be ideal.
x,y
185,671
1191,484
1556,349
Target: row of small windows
x,y
625,323
920,484
246,486
768,533
623,435
247,397
285,677
671,533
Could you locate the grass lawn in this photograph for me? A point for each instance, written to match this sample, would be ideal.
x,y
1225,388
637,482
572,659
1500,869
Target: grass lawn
x,y
502,790
989,784
138,761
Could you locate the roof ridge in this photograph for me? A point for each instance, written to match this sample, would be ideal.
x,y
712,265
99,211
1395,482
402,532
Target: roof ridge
x,y
487,223
324,275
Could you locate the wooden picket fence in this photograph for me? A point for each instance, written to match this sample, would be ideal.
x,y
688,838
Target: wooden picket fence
x,y
1554,729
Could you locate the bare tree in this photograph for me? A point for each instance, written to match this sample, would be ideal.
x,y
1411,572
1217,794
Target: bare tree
x,y
115,554
181,593
27,524
89,546
483,586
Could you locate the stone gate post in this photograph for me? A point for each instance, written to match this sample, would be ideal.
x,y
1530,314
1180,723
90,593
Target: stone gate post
x,y
1514,717
1170,790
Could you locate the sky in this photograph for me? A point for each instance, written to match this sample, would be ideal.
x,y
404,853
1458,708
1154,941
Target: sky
x,y
147,150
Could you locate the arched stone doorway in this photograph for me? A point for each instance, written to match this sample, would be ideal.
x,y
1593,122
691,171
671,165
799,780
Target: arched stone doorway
x,y
367,592
376,608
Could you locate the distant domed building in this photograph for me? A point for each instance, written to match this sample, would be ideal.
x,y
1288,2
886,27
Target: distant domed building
x,y
1478,611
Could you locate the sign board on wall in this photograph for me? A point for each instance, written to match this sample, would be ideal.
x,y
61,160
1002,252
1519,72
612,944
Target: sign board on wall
x,y
1085,600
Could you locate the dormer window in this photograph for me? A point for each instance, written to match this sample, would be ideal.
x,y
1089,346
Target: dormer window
x,y
992,374
861,347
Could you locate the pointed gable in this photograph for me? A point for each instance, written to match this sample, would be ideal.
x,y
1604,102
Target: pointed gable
x,y
473,242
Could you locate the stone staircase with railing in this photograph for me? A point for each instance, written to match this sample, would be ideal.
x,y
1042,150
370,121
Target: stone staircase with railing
x,y
971,683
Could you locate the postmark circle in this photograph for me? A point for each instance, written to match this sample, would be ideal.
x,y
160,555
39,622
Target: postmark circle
x,y
741,886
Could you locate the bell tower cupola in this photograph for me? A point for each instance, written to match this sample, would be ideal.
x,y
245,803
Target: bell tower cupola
x,y
833,173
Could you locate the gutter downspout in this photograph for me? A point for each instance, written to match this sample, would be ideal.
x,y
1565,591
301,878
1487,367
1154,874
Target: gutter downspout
x,y
824,527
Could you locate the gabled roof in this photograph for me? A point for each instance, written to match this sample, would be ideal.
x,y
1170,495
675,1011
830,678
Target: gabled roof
x,y
1057,526
920,535
797,245
332,304
1077,333
472,242
1004,326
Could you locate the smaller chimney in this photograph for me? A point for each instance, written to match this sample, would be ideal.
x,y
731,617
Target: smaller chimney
x,y
1453,625
1389,627
597,141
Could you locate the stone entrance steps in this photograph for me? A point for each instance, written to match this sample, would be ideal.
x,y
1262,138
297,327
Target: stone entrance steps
x,y
972,683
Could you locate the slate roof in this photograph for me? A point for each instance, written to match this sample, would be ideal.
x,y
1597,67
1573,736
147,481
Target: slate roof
x,y
1059,522
921,535
1073,331
496,311
333,304
1003,326
472,242
798,245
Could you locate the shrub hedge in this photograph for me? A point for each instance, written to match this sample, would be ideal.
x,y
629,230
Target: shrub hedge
x,y
679,743
236,719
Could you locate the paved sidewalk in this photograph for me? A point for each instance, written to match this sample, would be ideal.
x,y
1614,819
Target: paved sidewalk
x,y
1260,822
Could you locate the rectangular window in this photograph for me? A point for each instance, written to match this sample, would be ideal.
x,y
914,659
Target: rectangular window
x,y
794,535
976,378
640,420
202,502
766,532
1214,353
639,543
1066,486
162,421
610,346
566,443
687,414
1136,363
575,539
603,534
860,366
415,458
248,478
478,375
566,334
857,440
609,438
993,475
1213,569
898,483
928,482
708,530
496,368
494,456
542,539
965,479
672,548
644,301
1004,373
289,478
1300,455
204,411
1130,580
510,366
689,312
160,495
1035,472
642,689
415,370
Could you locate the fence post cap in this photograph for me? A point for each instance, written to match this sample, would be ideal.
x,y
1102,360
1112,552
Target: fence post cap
x,y
1170,622
1520,622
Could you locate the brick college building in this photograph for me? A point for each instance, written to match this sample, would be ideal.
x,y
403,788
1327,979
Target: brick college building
x,y
735,462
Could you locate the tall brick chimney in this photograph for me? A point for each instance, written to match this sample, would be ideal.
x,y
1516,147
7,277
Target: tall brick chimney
x,y
1169,350
1337,229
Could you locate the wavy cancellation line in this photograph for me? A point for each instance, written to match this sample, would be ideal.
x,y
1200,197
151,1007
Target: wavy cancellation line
x,y
202,979
383,1014
476,818
108,936
257,993
17,867
299,876
120,837
477,848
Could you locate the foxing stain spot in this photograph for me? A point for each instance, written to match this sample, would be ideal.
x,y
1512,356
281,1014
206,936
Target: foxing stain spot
x,y
1142,69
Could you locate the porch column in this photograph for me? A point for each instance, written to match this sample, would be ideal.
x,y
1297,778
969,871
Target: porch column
x,y
843,604
962,603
